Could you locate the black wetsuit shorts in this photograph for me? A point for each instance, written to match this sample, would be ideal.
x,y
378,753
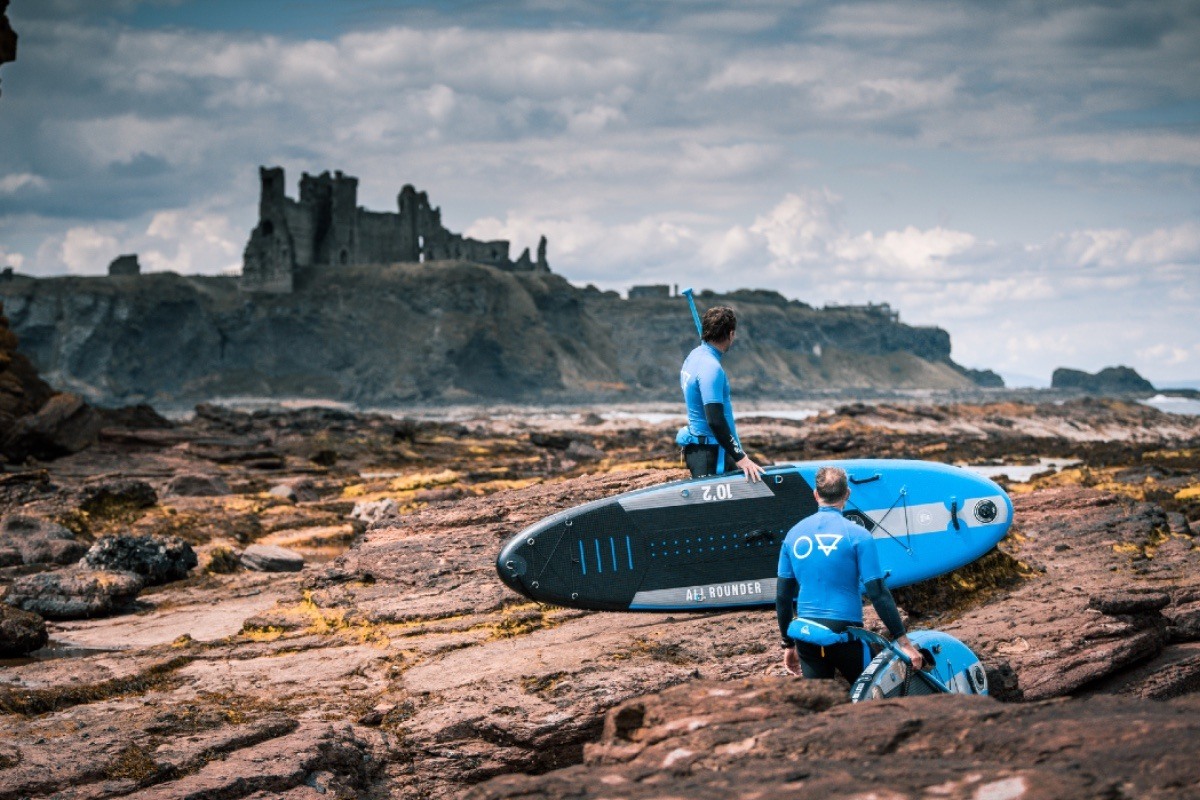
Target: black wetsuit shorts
x,y
847,658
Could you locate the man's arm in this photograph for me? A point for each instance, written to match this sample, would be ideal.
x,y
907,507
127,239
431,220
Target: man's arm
x,y
714,414
786,590
885,606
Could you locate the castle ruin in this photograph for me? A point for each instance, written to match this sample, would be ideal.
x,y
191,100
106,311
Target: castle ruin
x,y
326,228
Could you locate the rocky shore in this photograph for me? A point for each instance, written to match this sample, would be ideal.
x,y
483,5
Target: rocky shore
x,y
303,604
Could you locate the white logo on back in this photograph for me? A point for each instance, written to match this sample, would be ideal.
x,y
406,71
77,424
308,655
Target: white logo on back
x,y
796,547
828,542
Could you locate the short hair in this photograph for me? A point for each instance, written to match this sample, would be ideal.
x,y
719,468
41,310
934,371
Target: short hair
x,y
718,322
832,486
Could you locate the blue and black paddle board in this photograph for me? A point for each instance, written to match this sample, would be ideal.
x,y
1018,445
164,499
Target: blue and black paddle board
x,y
711,543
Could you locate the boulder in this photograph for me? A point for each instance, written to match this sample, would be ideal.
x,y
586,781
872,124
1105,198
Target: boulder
x,y
283,492
110,496
21,632
377,513
135,417
221,559
299,490
73,593
37,541
64,425
22,392
271,558
157,560
582,451
192,484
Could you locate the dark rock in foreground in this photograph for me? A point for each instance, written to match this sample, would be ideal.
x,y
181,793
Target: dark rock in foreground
x,y
195,485
74,593
157,560
29,540
1110,380
777,737
21,632
111,496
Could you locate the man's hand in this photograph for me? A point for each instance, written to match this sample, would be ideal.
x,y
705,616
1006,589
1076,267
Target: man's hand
x,y
910,650
753,471
791,661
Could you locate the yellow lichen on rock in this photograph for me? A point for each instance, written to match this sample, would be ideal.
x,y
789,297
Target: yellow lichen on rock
x,y
424,480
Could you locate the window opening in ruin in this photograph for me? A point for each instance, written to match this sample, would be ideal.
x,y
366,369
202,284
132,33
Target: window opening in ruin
x,y
267,227
343,257
421,248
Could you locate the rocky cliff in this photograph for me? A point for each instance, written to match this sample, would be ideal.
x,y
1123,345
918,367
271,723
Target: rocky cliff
x,y
1110,380
440,332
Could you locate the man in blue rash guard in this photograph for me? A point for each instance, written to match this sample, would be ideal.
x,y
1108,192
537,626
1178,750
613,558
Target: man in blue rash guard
x,y
710,435
824,560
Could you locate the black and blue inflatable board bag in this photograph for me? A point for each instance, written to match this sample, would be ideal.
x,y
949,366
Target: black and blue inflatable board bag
x,y
951,668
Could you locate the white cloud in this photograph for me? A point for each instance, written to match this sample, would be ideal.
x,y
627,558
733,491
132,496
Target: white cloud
x,y
87,251
885,96
1166,245
11,184
1166,354
800,228
14,260
1119,248
190,241
754,70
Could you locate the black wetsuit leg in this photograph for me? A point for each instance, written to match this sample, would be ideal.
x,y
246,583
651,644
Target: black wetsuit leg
x,y
701,459
847,658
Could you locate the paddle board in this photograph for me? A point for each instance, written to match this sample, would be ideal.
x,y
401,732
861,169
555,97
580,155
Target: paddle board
x,y
712,543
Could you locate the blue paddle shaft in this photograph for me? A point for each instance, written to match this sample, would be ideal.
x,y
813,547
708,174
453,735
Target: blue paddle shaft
x,y
695,314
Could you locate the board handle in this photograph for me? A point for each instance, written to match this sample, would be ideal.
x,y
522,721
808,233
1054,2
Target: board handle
x,y
954,513
860,482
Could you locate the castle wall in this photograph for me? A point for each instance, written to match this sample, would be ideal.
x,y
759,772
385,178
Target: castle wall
x,y
379,238
494,253
325,228
301,222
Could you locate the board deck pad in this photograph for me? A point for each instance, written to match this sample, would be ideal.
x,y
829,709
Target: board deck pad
x,y
711,543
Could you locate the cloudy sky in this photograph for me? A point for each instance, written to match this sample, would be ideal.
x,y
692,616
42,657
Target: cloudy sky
x,y
1024,174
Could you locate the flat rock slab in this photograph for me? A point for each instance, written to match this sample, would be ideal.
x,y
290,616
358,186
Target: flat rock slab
x,y
204,620
781,737
272,558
